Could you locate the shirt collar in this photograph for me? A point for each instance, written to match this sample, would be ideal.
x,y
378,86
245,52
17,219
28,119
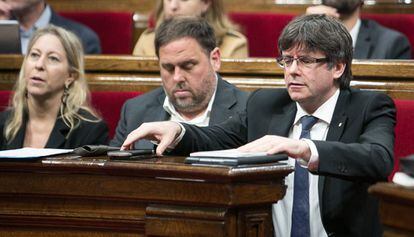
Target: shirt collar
x,y
169,107
354,32
42,22
324,112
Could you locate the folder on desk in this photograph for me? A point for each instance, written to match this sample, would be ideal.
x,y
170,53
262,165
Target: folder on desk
x,y
233,157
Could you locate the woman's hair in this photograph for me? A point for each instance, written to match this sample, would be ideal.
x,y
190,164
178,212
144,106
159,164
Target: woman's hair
x,y
76,95
214,15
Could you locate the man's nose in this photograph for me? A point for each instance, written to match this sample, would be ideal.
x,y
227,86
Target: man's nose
x,y
173,5
293,68
178,75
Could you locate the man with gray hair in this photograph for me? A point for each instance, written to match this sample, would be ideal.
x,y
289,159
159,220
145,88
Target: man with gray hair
x,y
192,91
339,139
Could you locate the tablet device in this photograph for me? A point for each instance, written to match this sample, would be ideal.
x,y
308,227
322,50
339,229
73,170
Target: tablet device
x,y
10,37
234,161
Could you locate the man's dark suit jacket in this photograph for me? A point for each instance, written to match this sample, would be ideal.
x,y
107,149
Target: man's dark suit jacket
x,y
90,40
378,42
358,151
87,133
149,108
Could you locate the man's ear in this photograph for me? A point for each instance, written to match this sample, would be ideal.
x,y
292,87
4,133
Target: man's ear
x,y
338,70
215,59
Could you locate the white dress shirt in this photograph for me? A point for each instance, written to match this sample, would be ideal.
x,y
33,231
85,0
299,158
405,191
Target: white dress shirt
x,y
201,120
42,22
354,32
282,210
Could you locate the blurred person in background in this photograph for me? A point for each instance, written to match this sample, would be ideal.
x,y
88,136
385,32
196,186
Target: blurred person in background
x,y
37,14
232,43
370,39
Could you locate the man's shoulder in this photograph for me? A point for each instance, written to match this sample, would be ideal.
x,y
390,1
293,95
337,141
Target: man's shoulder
x,y
81,30
379,30
229,86
358,97
278,93
146,99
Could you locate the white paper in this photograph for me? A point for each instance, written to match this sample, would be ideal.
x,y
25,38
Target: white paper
x,y
32,152
403,179
227,153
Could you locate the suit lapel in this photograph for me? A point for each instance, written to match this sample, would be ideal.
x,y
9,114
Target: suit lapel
x,y
364,43
156,113
223,101
18,141
159,113
281,123
336,129
57,137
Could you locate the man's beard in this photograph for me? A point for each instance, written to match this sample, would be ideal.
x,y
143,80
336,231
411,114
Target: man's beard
x,y
197,102
344,7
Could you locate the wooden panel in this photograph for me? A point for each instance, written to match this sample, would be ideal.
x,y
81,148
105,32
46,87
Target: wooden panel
x,y
396,209
145,6
129,73
72,196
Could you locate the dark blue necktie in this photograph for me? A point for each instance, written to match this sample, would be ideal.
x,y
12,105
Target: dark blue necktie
x,y
300,212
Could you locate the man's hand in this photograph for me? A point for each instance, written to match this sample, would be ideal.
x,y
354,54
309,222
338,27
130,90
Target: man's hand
x,y
5,10
275,144
164,133
322,9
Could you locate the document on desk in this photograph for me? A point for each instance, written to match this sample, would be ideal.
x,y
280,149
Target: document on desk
x,y
232,157
31,153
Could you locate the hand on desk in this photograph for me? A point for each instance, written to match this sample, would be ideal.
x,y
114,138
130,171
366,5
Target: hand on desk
x,y
272,144
163,133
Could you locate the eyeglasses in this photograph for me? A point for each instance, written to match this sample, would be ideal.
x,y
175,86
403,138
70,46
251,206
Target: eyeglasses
x,y
302,61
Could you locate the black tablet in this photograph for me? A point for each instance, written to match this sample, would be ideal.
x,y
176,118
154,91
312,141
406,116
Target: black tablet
x,y
10,37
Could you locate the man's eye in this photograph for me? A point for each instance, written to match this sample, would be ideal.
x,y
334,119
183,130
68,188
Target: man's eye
x,y
288,60
188,66
306,60
168,68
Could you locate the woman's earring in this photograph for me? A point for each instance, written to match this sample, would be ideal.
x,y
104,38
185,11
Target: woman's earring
x,y
65,94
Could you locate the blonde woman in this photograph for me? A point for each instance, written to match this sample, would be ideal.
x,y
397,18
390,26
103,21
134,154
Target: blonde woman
x,y
50,106
232,44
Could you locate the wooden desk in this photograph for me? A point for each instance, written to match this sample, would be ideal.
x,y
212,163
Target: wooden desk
x,y
72,196
396,209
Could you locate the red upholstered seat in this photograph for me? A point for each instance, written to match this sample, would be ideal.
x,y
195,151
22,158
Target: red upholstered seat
x,y
109,105
403,23
262,31
4,99
404,131
114,29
